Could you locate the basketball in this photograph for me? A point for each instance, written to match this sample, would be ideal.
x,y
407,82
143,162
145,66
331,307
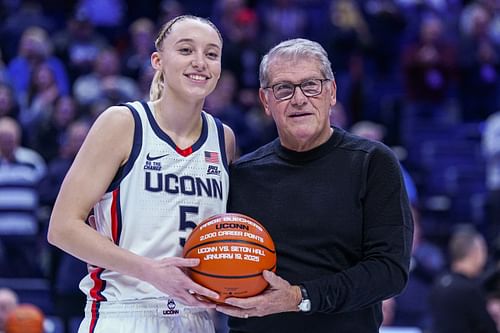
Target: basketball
x,y
233,250
25,318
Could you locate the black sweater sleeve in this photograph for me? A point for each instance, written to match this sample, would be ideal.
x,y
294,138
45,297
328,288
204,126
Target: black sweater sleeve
x,y
387,236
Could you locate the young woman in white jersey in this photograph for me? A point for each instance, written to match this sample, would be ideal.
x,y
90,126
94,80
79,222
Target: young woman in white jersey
x,y
151,171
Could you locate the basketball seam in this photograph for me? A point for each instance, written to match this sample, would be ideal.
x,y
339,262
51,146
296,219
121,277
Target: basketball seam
x,y
230,276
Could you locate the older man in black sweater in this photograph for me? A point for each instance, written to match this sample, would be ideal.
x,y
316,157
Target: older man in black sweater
x,y
334,203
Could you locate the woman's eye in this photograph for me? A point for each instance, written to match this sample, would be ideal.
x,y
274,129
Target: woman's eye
x,y
185,50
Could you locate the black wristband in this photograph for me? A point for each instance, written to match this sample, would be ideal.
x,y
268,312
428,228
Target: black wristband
x,y
303,292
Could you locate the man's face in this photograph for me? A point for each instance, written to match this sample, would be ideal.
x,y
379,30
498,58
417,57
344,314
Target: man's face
x,y
303,122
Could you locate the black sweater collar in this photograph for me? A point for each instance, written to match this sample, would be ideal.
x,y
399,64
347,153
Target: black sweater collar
x,y
309,155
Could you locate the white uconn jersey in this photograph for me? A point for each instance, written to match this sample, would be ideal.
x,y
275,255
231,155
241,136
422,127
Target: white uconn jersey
x,y
157,198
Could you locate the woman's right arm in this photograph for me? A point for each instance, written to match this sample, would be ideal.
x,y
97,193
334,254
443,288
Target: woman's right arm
x,y
105,149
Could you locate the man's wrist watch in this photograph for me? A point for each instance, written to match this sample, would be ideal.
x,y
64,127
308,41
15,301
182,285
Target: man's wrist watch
x,y
305,303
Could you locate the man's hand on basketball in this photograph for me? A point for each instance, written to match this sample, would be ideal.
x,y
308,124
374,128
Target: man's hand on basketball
x,y
280,296
168,276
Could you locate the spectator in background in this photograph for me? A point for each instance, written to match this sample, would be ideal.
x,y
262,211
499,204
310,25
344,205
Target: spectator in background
x,y
427,263
68,299
137,57
491,152
66,271
457,301
479,64
8,302
70,143
350,35
493,7
224,13
429,68
222,104
107,16
381,82
415,10
4,77
146,75
388,324
39,102
78,44
349,41
368,129
97,107
35,48
105,81
261,125
19,16
387,23
49,133
8,102
281,19
168,9
21,170
243,49
339,116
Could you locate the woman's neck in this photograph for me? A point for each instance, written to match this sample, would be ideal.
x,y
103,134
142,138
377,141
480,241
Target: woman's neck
x,y
181,120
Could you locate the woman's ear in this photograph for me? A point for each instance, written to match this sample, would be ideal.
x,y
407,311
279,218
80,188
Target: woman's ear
x,y
156,60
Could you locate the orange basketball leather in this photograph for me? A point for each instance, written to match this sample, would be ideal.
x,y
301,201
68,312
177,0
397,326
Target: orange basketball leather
x,y
233,250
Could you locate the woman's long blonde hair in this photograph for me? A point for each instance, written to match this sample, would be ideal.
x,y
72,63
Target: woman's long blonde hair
x,y
157,83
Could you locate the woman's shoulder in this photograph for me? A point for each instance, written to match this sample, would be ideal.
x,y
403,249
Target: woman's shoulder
x,y
117,113
116,118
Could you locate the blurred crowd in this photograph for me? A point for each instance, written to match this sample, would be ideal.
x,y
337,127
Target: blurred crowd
x,y
404,66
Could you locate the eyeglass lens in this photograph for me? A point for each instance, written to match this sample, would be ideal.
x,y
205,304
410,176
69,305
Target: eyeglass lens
x,y
286,90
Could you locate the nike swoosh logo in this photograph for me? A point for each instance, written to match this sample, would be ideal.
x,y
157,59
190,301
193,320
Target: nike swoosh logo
x,y
153,158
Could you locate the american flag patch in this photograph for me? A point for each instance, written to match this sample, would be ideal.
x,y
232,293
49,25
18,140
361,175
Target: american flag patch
x,y
211,157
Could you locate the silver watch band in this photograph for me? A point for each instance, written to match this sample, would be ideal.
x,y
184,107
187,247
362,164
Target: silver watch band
x,y
305,304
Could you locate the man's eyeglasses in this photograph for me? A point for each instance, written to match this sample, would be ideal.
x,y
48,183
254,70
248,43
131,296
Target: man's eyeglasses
x,y
285,90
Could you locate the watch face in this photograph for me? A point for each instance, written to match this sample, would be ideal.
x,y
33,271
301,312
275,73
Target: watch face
x,y
305,305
